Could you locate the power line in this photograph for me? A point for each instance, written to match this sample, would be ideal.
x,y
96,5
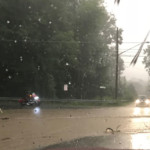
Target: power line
x,y
127,49
130,56
130,48
52,41
136,42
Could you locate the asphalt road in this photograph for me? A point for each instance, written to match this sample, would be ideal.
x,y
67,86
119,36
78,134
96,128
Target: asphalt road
x,y
109,127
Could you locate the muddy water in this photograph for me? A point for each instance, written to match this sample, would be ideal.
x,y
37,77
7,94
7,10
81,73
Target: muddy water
x,y
27,129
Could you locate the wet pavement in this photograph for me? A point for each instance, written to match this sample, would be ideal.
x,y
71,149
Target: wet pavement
x,y
110,127
118,141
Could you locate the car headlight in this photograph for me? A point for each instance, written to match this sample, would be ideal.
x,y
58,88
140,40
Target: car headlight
x,y
36,98
137,101
147,101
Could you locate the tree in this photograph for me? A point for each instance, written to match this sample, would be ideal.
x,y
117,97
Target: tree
x,y
46,44
127,90
32,47
117,1
147,59
94,57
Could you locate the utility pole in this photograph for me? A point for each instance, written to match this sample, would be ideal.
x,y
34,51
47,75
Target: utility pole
x,y
117,51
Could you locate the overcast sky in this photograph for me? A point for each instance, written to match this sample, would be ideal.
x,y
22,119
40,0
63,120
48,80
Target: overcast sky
x,y
133,16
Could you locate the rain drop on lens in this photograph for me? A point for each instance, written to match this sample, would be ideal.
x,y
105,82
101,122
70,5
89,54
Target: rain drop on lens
x,y
9,77
39,19
8,21
38,67
67,64
15,41
21,58
25,40
52,5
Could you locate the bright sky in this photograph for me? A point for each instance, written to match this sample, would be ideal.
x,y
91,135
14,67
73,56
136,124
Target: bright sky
x,y
133,16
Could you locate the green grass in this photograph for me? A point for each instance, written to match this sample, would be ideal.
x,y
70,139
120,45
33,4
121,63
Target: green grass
x,y
8,104
81,104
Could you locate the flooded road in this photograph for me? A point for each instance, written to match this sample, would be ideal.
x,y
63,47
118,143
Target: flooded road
x,y
29,129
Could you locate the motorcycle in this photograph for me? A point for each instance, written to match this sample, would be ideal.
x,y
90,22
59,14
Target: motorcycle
x,y
30,101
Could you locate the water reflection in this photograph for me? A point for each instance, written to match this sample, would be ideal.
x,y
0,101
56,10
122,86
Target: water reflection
x,y
37,110
140,141
137,111
146,111
141,111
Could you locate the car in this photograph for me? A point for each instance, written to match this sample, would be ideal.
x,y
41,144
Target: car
x,y
142,101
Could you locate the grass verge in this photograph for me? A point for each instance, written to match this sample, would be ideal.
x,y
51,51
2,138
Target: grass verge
x,y
9,104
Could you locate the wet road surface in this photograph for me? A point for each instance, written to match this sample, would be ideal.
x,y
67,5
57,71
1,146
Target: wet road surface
x,y
30,129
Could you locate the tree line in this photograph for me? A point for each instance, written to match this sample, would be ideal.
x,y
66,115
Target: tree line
x,y
47,44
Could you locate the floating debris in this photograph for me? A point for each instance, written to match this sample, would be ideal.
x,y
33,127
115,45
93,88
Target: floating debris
x,y
118,128
109,130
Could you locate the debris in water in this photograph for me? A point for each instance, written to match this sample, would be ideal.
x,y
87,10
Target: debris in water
x,y
109,130
118,128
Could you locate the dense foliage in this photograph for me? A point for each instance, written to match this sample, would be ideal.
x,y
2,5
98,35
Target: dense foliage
x,y
147,59
46,44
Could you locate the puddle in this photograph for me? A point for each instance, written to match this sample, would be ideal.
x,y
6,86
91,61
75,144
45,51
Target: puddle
x,y
116,141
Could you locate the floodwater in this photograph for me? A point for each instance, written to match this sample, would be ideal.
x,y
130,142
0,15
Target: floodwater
x,y
110,127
